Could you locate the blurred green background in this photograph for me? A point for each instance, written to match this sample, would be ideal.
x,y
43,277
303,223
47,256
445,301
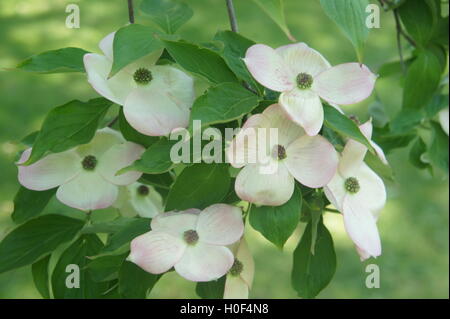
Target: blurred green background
x,y
413,226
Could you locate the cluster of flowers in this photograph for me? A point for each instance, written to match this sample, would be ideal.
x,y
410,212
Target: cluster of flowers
x,y
206,245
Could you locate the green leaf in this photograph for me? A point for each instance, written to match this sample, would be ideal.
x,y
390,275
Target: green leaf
x,y
393,68
211,289
55,61
422,80
312,273
155,160
67,126
130,134
29,204
36,238
135,283
199,186
438,151
132,42
223,103
234,48
343,125
420,19
438,103
105,268
29,139
77,254
277,223
380,168
418,149
40,274
406,120
275,10
378,114
201,61
389,142
350,16
170,15
137,227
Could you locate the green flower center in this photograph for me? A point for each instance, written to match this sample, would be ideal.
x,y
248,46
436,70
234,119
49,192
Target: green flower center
x,y
89,162
142,76
143,190
190,237
279,152
237,268
304,81
352,185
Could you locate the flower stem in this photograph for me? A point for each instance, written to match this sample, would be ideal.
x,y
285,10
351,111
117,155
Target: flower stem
x,y
232,16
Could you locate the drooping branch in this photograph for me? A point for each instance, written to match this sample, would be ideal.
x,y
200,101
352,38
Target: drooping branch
x,y
232,16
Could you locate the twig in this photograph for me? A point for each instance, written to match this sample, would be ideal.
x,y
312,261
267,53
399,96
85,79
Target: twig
x,y
113,121
235,28
130,11
399,40
131,19
232,16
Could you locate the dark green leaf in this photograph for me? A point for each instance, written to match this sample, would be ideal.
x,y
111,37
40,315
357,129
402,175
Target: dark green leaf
x,y
29,204
437,103
155,160
130,134
389,142
312,273
199,186
55,61
200,61
406,121
234,48
137,227
418,149
105,268
342,124
168,14
77,254
350,16
67,126
135,283
132,42
223,103
438,151
419,18
277,223
422,80
41,276
211,289
36,238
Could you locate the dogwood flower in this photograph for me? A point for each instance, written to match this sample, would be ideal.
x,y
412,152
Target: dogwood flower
x,y
192,241
139,199
443,119
311,160
304,76
240,277
359,194
86,175
156,99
